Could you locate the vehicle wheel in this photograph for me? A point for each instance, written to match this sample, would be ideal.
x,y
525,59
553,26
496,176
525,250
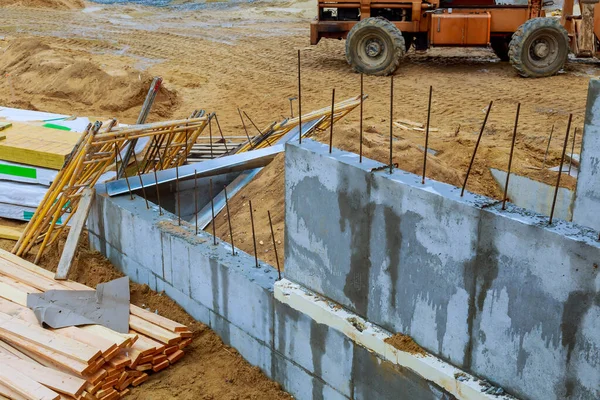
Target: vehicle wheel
x,y
500,47
539,48
374,46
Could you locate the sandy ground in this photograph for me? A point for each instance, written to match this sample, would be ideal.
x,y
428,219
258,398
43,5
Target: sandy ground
x,y
98,61
209,370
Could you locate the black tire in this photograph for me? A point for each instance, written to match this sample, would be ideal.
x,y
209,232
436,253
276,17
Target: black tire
x,y
539,48
500,46
374,46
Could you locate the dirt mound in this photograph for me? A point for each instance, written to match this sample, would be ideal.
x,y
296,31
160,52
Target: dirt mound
x,y
51,78
53,4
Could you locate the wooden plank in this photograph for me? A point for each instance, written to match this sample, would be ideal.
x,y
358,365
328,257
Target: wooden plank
x,y
138,381
77,224
50,340
155,332
9,394
53,379
10,232
44,355
161,366
157,319
159,347
173,358
25,386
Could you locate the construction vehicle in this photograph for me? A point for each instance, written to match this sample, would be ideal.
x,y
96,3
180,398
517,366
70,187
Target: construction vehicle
x,y
379,32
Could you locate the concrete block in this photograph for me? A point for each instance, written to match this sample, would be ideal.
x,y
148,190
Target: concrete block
x,y
377,379
587,196
195,309
255,351
177,260
319,349
300,383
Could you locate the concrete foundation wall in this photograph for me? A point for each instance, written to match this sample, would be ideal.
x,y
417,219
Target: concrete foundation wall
x,y
310,359
587,197
498,293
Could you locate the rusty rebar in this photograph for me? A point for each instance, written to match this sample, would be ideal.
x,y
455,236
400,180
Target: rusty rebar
x,y
178,195
212,209
562,159
510,158
391,122
245,128
118,153
548,147
299,101
427,135
157,193
210,137
274,244
228,220
262,135
572,150
360,147
196,199
253,234
137,167
221,132
487,114
331,122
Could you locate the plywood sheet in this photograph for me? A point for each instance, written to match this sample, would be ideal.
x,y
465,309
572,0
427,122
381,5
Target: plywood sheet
x,y
37,145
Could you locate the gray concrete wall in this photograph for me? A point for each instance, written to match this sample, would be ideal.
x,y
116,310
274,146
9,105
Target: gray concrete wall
x,y
233,297
498,293
587,197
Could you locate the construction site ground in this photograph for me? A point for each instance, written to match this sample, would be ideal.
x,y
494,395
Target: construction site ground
x,y
97,60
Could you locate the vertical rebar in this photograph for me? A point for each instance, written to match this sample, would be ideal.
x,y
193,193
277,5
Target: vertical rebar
x,y
245,129
427,135
221,132
124,172
228,221
391,121
157,193
487,114
178,195
510,158
137,166
331,122
562,159
548,147
572,150
299,101
274,245
360,148
212,209
253,234
210,137
196,199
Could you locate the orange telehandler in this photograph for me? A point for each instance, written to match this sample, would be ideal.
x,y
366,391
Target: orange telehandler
x,y
379,32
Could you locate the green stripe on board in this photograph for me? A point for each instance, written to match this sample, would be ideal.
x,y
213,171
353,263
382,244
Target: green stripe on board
x,y
27,215
59,127
15,170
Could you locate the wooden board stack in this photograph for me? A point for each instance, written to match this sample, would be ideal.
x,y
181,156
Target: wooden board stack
x,y
88,362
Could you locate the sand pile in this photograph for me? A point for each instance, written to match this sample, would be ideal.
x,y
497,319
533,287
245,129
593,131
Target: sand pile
x,y
40,76
53,4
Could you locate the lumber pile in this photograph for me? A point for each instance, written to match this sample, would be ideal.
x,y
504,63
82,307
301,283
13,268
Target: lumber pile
x,y
88,362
